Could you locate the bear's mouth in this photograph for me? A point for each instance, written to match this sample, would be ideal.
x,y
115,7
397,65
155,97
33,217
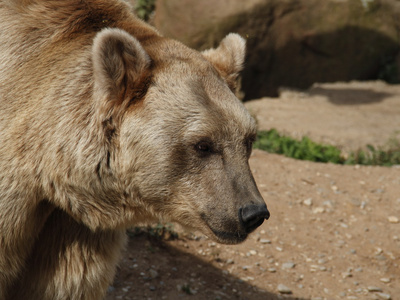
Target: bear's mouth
x,y
227,233
227,237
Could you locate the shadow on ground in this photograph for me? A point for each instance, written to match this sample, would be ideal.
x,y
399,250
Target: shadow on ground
x,y
155,269
349,96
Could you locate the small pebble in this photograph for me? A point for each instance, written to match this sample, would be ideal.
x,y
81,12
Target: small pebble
x,y
314,268
358,270
384,296
271,270
153,273
288,265
318,210
347,274
283,289
393,219
385,280
374,289
265,241
308,202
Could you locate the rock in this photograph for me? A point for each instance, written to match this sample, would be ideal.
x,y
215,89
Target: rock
x,y
347,274
393,219
374,289
359,269
283,289
384,296
265,241
308,202
252,252
292,43
318,210
288,265
153,273
385,280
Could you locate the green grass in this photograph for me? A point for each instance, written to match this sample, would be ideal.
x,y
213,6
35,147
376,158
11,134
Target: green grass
x,y
377,157
306,149
144,8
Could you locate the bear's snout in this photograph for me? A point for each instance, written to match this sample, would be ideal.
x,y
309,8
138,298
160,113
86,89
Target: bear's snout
x,y
252,216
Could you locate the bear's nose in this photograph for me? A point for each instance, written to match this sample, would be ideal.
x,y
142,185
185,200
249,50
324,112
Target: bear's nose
x,y
253,215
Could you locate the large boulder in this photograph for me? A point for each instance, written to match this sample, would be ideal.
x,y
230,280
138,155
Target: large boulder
x,y
293,43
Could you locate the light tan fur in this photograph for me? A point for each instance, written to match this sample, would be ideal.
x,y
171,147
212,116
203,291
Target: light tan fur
x,y
103,125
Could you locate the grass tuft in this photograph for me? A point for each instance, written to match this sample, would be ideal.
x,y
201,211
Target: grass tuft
x,y
305,149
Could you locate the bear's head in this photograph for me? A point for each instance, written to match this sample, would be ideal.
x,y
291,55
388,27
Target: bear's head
x,y
178,139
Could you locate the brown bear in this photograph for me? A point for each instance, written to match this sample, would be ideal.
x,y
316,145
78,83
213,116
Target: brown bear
x,y
105,124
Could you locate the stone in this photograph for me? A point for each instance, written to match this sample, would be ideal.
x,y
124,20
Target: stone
x,y
384,296
153,273
331,45
265,241
252,252
308,202
283,289
288,265
374,289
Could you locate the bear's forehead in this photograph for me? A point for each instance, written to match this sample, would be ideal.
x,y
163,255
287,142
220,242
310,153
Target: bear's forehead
x,y
184,78
167,54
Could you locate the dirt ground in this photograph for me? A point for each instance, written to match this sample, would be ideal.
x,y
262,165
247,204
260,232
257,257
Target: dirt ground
x,y
334,231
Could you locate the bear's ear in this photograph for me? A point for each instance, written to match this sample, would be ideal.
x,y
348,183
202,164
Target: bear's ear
x,y
120,66
228,58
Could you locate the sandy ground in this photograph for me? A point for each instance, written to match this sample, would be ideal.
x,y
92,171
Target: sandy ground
x,y
334,231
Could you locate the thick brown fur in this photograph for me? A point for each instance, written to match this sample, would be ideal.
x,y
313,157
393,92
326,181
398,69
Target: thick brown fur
x,y
105,124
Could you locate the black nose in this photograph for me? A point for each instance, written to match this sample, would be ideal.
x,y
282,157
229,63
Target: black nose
x,y
253,215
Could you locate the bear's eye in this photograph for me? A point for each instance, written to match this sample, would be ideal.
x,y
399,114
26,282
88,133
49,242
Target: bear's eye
x,y
204,148
249,144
